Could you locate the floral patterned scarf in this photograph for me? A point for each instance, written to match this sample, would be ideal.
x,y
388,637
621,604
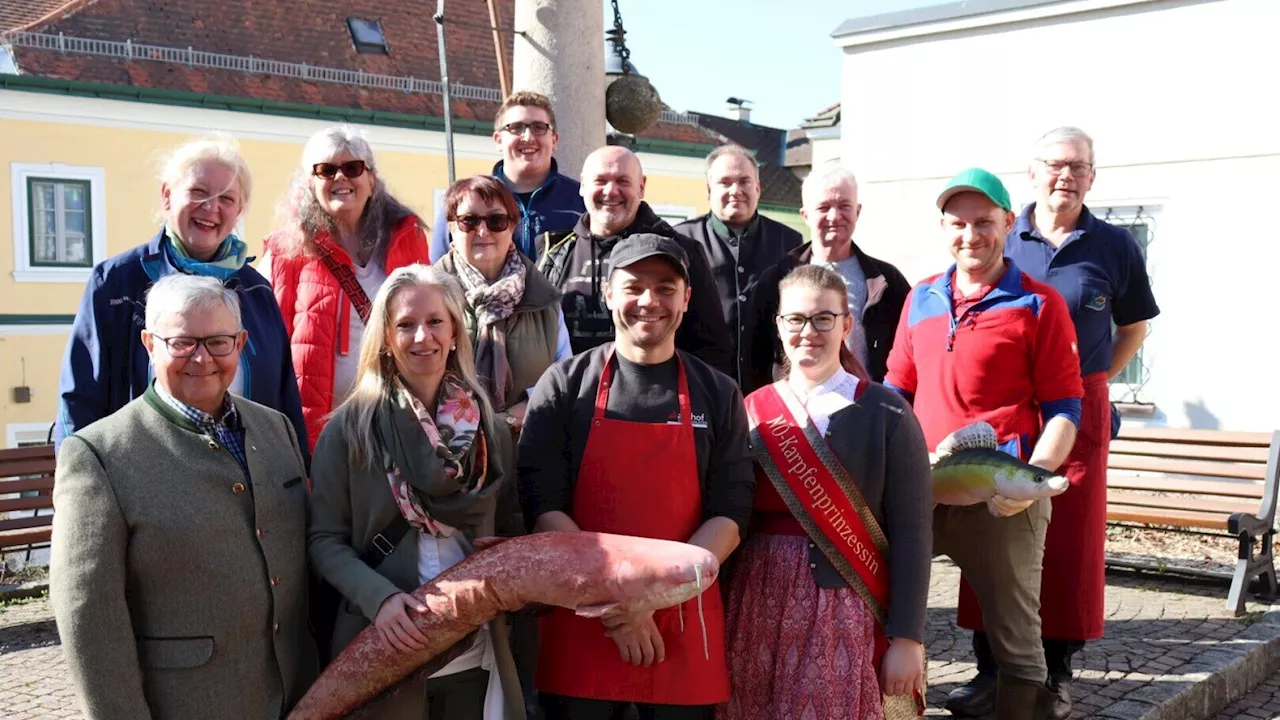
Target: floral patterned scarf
x,y
438,509
492,304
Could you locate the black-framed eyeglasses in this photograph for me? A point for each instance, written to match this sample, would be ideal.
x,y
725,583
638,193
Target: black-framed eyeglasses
x,y
351,169
538,128
822,322
497,222
1078,169
182,346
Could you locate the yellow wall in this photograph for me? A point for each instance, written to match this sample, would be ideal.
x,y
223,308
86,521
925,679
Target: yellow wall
x,y
131,159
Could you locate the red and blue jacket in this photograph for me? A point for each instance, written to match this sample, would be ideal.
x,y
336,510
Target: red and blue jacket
x,y
1010,359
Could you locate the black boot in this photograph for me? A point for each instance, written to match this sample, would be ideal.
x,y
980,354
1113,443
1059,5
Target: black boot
x,y
975,698
1023,700
1057,656
1061,706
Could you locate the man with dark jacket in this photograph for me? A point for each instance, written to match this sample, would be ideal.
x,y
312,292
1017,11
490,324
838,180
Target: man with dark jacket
x,y
524,131
613,189
877,290
740,243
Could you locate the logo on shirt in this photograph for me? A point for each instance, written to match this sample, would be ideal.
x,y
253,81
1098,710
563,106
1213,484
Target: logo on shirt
x,y
1097,303
699,420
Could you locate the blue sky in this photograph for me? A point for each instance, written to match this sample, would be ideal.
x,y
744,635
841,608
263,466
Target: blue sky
x,y
777,53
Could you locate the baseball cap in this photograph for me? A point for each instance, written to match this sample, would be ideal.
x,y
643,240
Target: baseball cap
x,y
637,247
979,181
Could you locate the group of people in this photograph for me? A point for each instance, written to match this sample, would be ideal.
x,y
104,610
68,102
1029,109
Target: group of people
x,y
238,445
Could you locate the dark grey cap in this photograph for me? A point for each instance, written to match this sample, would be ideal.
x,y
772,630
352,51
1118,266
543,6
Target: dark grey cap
x,y
637,247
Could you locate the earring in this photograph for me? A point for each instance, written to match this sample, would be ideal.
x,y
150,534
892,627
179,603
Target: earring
x,y
455,347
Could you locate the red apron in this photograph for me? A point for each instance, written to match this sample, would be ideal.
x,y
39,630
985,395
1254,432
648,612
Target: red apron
x,y
638,479
1073,584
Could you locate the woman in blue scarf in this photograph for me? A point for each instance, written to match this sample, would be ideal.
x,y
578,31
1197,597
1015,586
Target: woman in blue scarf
x,y
204,189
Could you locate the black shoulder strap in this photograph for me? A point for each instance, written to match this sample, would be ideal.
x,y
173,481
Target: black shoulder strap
x,y
385,542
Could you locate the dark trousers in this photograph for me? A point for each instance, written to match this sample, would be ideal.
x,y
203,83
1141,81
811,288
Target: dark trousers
x,y
1057,655
559,707
459,696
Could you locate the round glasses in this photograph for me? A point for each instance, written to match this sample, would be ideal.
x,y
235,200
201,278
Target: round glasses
x,y
822,322
497,222
183,346
350,170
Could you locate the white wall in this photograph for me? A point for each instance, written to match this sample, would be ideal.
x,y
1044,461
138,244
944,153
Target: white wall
x,y
1179,97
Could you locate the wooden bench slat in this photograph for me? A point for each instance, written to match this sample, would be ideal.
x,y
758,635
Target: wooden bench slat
x,y
1174,518
1120,461
1203,437
32,452
43,502
1179,502
27,467
1227,453
1224,488
26,522
43,484
18,538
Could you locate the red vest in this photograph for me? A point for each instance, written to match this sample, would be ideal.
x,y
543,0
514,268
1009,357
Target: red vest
x,y
311,300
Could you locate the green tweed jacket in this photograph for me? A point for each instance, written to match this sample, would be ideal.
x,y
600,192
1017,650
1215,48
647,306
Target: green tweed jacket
x,y
178,584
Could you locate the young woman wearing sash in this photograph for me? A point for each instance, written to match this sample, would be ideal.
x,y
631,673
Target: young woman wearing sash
x,y
842,524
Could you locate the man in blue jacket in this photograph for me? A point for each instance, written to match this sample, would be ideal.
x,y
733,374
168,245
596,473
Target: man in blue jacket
x,y
525,134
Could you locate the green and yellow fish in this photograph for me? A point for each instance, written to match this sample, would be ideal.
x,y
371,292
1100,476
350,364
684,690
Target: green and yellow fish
x,y
971,470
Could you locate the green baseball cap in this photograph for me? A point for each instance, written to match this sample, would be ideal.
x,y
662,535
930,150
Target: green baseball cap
x,y
979,181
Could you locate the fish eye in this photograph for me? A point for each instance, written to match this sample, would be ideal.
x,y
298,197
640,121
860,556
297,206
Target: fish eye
x,y
1039,478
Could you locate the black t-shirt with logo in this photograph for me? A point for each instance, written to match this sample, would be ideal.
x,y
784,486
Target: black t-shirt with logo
x,y
559,415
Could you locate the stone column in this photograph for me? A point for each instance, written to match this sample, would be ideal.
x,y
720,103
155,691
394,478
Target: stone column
x,y
561,55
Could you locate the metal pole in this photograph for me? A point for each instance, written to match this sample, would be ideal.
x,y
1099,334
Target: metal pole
x,y
444,80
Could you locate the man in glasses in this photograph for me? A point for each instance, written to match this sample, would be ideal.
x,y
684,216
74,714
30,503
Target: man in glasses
x,y
985,342
1100,271
740,243
525,135
613,189
877,289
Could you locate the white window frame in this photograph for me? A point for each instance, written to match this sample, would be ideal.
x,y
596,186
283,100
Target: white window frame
x,y
1124,213
23,270
667,212
16,434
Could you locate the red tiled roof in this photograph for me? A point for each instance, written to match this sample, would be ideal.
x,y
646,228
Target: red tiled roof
x,y
295,32
18,15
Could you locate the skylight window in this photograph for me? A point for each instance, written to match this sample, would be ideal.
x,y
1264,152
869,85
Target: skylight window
x,y
367,36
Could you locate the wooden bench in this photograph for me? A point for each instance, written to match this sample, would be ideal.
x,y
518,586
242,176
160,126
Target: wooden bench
x,y
24,471
1202,480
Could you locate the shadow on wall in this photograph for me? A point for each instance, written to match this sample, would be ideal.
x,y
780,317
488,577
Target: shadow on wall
x,y
1199,417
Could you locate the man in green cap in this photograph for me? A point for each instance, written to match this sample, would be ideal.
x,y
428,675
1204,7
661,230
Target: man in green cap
x,y
985,343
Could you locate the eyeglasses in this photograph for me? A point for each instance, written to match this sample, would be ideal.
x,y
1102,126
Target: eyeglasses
x,y
215,345
350,170
517,128
822,322
1078,169
497,222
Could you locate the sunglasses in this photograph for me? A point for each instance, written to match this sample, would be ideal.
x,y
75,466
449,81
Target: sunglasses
x,y
496,222
518,128
350,170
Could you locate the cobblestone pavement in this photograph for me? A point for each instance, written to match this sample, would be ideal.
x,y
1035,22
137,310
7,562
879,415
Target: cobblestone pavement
x,y
1154,627
1261,704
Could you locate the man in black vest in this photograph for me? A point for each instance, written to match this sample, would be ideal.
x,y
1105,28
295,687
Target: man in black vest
x,y
739,242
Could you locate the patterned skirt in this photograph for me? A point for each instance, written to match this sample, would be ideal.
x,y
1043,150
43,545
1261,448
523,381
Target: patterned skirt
x,y
796,651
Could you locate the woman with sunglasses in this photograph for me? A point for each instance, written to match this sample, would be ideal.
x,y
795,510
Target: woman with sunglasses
x,y
513,314
205,188
341,235
841,527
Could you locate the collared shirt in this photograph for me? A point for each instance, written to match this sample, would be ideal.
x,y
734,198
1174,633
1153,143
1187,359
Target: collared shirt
x,y
228,431
828,397
855,279
1099,270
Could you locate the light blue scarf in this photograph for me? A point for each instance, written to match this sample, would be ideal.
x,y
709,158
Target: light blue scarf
x,y
232,255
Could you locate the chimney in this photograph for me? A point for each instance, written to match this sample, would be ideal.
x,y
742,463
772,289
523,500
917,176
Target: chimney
x,y
738,110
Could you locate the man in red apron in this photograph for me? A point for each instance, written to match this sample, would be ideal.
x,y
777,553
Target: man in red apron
x,y
635,438
1100,271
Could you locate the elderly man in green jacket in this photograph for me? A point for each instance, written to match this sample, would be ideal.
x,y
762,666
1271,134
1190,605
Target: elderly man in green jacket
x,y
178,574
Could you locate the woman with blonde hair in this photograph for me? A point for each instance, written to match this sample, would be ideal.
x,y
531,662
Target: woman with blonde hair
x,y
340,235
826,606
408,472
205,187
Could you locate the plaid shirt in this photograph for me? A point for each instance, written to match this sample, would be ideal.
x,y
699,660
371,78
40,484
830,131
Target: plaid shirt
x,y
229,432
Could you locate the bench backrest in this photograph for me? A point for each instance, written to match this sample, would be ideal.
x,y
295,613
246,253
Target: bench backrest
x,y
26,473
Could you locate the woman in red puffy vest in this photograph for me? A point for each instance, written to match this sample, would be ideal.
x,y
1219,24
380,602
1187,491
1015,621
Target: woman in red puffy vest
x,y
342,234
